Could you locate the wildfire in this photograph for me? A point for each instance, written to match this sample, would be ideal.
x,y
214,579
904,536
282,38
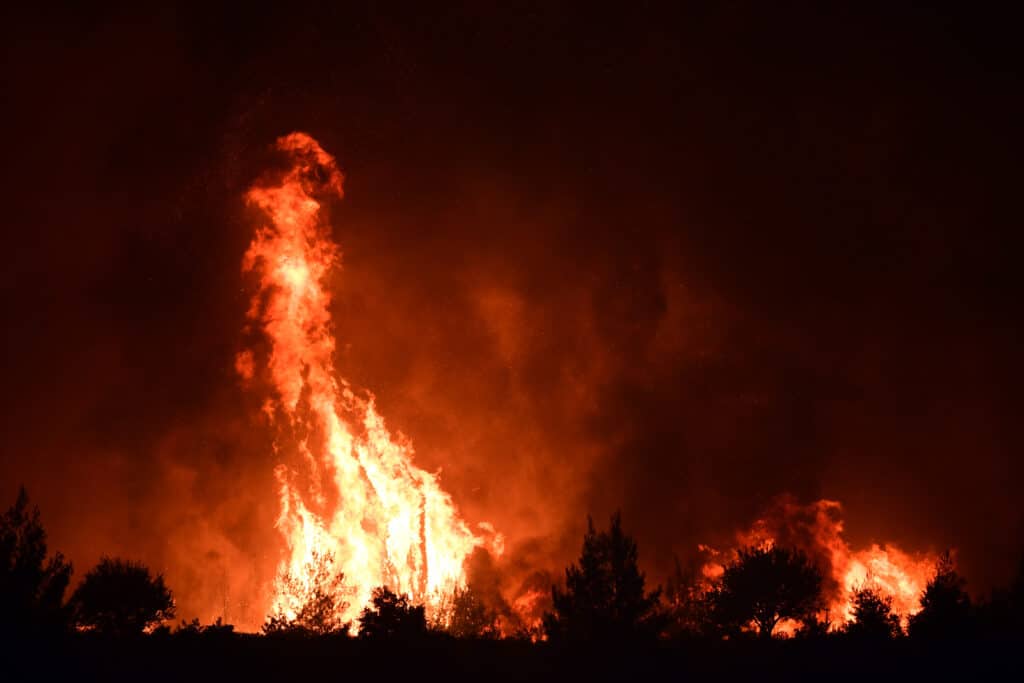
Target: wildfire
x,y
356,513
352,503
817,529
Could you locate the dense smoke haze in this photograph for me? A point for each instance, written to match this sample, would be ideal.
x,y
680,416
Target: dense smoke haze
x,y
677,263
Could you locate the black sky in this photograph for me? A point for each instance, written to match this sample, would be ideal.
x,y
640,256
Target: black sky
x,y
673,260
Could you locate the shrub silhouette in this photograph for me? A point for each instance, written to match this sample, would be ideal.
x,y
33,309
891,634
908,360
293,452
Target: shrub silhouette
x,y
324,601
188,629
470,617
193,629
815,628
604,596
219,628
945,604
119,597
31,586
687,605
873,618
765,585
390,616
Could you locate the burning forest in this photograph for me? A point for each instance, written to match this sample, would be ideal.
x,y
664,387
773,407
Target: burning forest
x,y
355,510
356,513
524,342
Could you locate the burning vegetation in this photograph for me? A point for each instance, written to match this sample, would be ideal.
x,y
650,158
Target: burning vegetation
x,y
816,530
356,512
364,339
372,546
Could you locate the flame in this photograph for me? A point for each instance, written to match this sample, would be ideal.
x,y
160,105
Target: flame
x,y
893,573
352,503
817,530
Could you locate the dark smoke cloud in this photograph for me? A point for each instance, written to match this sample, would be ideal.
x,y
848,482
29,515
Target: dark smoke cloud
x,y
673,264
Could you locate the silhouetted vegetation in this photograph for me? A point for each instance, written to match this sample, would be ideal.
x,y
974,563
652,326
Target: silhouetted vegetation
x,y
320,613
873,617
765,585
121,598
390,616
1003,612
604,597
688,608
816,627
945,604
693,629
193,629
32,586
471,617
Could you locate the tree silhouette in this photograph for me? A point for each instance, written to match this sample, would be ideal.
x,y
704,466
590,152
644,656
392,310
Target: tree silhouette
x,y
320,601
392,617
764,585
119,597
945,604
1003,612
873,618
814,628
470,617
688,608
604,596
31,586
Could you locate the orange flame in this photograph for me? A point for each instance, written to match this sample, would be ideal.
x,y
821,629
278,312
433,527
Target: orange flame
x,y
353,494
892,572
817,529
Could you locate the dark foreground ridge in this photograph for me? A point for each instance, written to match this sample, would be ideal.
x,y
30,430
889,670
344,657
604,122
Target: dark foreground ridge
x,y
604,624
242,657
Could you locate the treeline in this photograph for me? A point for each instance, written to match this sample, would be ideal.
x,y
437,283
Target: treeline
x,y
604,600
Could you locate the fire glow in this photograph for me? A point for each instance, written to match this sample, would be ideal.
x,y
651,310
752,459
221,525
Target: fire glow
x,y
817,530
356,512
352,503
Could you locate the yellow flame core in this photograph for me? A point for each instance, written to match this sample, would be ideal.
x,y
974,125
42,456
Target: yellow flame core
x,y
352,493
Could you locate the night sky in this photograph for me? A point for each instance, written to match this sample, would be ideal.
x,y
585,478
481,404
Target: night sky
x,y
673,261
